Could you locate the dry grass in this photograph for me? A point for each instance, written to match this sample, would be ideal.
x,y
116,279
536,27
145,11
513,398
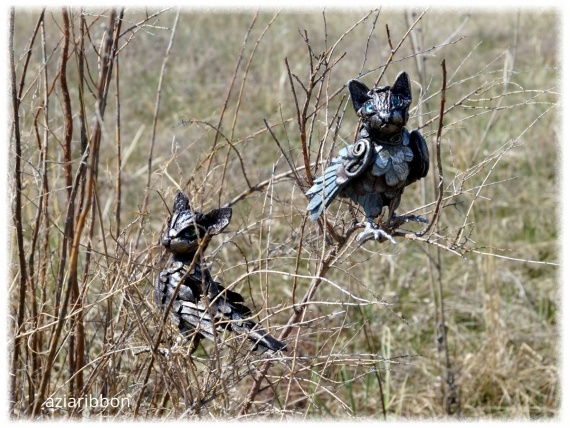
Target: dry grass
x,y
364,325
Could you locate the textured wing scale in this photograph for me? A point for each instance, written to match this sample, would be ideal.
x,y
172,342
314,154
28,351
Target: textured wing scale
x,y
191,316
324,189
419,165
391,163
352,161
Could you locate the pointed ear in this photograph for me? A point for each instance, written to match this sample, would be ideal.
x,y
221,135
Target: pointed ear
x,y
358,93
181,202
402,85
216,220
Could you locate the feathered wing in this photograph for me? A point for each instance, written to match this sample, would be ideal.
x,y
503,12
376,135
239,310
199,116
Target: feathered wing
x,y
324,189
419,165
240,324
351,162
187,311
191,316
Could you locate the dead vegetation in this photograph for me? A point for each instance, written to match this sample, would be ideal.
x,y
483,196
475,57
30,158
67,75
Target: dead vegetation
x,y
114,110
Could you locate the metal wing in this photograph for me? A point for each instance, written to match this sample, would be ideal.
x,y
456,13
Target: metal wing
x,y
351,162
419,165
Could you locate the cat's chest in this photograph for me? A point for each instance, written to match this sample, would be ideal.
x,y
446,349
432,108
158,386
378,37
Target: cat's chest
x,y
392,158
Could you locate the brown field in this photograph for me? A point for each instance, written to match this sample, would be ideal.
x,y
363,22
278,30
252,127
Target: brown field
x,y
461,321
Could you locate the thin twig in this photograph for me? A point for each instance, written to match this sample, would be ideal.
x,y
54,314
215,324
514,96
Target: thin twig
x,y
17,216
71,270
237,109
393,51
438,153
155,119
227,99
301,124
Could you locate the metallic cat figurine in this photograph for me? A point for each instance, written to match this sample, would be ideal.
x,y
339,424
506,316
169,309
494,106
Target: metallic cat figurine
x,y
223,309
385,158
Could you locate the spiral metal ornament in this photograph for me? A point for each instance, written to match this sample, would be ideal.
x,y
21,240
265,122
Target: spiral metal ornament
x,y
361,152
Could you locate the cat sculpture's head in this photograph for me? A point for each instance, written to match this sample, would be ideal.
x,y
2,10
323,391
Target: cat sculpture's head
x,y
384,109
186,227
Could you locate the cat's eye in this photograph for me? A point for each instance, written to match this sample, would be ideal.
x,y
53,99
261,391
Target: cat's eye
x,y
189,233
396,102
368,109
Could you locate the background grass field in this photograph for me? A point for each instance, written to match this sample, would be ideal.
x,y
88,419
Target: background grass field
x,y
461,322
